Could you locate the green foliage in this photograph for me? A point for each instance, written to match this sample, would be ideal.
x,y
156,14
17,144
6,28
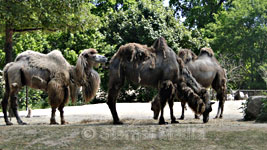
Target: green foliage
x,y
198,13
144,22
46,14
102,7
263,115
263,72
241,31
36,41
36,99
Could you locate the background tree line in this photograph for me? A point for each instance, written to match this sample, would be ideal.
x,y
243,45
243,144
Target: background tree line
x,y
235,30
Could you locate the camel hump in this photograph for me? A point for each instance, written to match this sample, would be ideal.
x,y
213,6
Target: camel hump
x,y
50,61
206,50
134,52
160,44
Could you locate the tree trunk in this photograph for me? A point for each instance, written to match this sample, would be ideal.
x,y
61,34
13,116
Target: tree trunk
x,y
8,43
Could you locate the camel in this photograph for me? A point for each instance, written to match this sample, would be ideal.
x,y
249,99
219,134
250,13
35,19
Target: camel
x,y
53,74
207,71
157,66
190,80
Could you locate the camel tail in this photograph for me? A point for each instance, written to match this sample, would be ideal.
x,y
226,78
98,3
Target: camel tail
x,y
7,86
66,95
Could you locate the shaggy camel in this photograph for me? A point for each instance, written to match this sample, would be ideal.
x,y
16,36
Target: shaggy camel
x,y
157,66
53,74
207,71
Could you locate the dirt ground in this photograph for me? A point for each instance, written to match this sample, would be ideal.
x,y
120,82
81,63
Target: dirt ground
x,y
90,127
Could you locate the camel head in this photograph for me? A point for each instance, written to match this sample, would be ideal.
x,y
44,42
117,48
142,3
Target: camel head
x,y
206,50
208,109
187,55
91,57
204,105
84,75
155,107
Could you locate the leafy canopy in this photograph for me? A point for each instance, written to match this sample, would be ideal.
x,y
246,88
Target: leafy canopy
x,y
46,14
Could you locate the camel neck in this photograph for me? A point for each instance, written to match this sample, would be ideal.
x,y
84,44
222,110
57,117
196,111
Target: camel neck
x,y
80,77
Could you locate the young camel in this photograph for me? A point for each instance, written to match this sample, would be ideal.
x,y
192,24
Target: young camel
x,y
53,74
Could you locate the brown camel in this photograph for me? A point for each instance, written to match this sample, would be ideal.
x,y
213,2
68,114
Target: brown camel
x,y
157,66
207,71
53,74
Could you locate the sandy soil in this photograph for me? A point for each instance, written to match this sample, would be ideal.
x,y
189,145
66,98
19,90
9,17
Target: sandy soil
x,y
135,111
90,127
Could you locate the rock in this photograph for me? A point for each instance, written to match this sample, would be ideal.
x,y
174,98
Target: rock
x,y
254,106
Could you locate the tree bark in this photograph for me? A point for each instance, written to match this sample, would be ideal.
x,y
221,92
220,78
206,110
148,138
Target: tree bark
x,y
8,43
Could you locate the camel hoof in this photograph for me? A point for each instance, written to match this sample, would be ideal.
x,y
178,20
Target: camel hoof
x,y
175,121
22,123
181,118
53,123
9,123
117,123
215,117
221,117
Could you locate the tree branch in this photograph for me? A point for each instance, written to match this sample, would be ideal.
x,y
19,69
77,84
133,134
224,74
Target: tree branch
x,y
32,29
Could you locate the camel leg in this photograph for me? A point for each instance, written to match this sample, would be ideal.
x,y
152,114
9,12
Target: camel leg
x,y
4,107
111,102
161,119
219,108
183,107
53,114
173,119
220,97
14,107
60,108
222,107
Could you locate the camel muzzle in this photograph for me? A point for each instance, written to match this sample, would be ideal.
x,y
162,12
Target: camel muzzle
x,y
100,59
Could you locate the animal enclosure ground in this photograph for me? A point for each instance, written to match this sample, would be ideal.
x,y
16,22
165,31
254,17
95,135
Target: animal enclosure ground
x,y
90,128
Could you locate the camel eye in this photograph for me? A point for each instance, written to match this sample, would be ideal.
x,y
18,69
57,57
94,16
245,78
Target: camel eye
x,y
86,55
92,53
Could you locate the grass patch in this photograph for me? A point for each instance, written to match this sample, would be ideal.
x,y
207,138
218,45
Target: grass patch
x,y
131,137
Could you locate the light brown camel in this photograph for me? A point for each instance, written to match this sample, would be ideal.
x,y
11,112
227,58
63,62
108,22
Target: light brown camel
x,y
207,71
157,66
53,74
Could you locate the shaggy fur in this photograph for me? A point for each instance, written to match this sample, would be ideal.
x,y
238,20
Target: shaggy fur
x,y
208,72
187,55
155,66
53,74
